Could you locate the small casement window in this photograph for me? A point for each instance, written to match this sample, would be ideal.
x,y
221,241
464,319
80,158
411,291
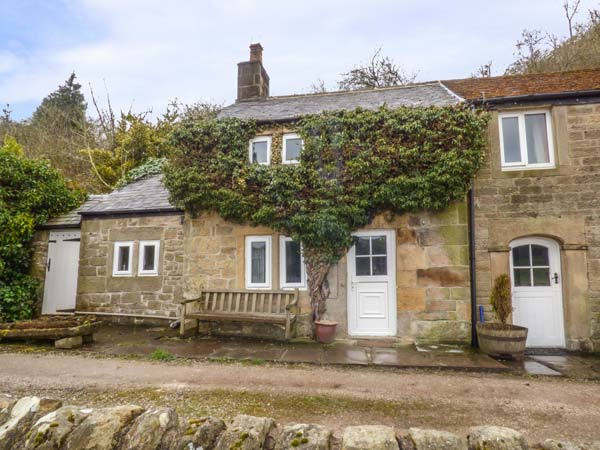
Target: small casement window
x,y
123,258
531,265
258,262
526,140
291,148
292,272
260,150
371,255
148,257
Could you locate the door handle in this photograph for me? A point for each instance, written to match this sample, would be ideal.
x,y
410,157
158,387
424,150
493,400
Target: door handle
x,y
49,263
555,277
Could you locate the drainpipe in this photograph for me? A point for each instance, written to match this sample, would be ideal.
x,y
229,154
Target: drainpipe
x,y
472,273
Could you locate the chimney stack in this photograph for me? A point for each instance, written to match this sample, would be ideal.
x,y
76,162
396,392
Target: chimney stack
x,y
253,80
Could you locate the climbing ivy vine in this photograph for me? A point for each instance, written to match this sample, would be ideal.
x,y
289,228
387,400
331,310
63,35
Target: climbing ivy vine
x,y
354,165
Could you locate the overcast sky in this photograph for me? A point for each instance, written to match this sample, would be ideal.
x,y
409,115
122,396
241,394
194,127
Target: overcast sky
x,y
150,51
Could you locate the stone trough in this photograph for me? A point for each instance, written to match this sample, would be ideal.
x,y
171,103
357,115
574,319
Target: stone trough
x,y
66,331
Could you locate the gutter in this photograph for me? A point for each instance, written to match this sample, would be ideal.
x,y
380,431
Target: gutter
x,y
537,97
130,211
472,266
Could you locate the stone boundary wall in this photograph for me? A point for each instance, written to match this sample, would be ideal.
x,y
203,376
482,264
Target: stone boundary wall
x,y
40,423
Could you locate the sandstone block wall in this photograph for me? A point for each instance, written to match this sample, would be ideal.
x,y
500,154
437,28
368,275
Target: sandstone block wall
x,y
100,291
432,273
561,203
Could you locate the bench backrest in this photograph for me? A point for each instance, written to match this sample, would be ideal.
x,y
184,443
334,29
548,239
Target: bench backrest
x,y
244,301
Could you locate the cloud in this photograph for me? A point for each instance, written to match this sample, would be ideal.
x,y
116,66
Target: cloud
x,y
150,51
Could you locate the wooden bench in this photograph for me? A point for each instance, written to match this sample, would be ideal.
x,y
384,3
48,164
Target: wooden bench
x,y
271,307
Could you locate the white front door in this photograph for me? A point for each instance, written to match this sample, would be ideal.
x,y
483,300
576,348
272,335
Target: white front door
x,y
537,291
60,287
372,284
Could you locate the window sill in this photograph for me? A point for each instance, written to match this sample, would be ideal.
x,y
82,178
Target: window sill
x,y
122,275
526,168
148,274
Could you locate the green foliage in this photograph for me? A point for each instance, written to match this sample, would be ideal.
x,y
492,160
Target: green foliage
x,y
30,193
501,298
354,165
161,355
151,166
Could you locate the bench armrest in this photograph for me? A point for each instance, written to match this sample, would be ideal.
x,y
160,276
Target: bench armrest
x,y
186,301
294,302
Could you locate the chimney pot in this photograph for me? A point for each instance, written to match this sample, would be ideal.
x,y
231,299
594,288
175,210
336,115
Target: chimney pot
x,y
256,52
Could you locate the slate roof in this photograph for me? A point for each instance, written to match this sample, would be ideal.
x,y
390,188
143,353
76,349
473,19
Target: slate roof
x,y
71,219
285,108
144,196
524,85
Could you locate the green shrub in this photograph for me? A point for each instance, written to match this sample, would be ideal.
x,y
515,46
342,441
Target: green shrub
x,y
31,192
501,299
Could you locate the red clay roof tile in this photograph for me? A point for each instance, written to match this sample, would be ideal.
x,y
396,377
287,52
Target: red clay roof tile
x,y
518,85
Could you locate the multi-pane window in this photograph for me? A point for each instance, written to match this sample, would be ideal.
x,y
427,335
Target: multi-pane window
x,y
122,258
291,264
258,262
531,265
260,150
526,140
148,257
371,255
291,149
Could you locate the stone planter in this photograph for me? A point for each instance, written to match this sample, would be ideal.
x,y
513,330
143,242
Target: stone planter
x,y
325,331
502,340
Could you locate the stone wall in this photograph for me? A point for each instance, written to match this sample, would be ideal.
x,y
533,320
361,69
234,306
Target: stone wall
x,y
39,423
100,291
39,261
432,275
562,203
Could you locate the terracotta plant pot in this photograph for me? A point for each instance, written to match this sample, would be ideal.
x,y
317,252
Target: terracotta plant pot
x,y
502,341
325,331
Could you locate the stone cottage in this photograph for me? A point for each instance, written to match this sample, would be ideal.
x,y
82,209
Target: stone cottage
x,y
534,213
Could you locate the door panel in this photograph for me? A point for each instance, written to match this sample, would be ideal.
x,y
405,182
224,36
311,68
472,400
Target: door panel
x,y
372,284
62,267
537,291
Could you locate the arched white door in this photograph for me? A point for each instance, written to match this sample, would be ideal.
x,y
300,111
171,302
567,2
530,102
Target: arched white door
x,y
537,290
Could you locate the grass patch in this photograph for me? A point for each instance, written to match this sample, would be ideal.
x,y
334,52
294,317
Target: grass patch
x,y
160,354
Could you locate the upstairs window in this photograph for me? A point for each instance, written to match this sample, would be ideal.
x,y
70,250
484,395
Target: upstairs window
x,y
526,140
291,264
122,258
258,262
292,146
148,259
260,150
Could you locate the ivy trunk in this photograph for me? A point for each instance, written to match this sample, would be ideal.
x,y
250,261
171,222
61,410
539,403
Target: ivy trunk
x,y
317,268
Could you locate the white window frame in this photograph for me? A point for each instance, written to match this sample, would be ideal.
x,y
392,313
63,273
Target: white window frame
x,y
268,262
524,164
282,283
142,246
285,137
266,139
116,271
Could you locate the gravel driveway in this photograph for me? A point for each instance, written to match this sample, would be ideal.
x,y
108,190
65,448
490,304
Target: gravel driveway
x,y
540,407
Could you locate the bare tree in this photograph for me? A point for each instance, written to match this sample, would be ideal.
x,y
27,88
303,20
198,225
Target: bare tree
x,y
570,12
380,71
483,71
530,51
318,87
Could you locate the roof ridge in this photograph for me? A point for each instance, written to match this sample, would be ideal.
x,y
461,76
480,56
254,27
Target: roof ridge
x,y
339,92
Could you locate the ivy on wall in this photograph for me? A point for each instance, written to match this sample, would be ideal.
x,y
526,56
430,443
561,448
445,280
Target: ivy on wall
x,y
354,165
31,192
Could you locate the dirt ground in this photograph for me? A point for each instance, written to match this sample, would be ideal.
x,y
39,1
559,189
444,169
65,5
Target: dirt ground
x,y
540,407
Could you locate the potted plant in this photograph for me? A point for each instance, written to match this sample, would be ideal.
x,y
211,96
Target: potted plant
x,y
502,340
325,330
